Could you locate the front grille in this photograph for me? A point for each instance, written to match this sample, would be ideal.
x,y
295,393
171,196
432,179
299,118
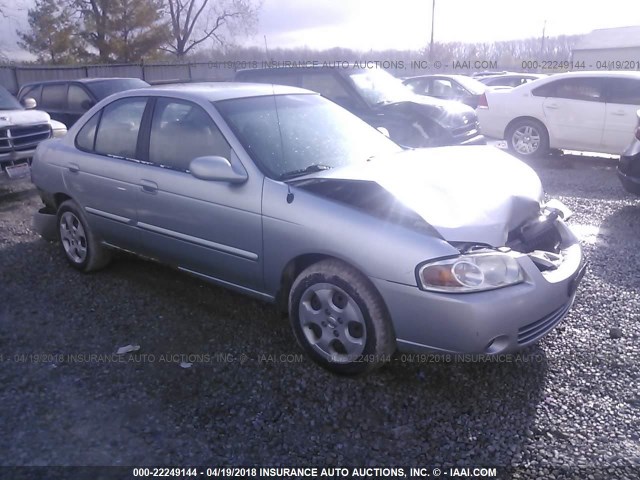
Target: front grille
x,y
20,138
535,330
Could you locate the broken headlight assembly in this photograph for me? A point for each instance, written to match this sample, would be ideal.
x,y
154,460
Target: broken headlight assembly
x,y
473,272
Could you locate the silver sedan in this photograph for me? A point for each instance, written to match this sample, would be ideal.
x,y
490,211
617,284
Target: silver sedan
x,y
278,193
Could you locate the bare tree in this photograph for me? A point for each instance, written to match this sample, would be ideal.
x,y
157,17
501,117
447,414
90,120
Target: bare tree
x,y
193,22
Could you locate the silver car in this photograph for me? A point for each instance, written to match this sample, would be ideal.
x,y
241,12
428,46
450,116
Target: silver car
x,y
280,194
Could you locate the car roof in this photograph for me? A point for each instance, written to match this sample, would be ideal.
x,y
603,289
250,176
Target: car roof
x,y
516,75
217,91
453,76
597,73
85,81
294,69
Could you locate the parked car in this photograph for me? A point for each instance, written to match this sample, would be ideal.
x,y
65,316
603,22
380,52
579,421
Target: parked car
x,y
629,164
21,130
510,79
479,75
67,100
459,88
281,194
587,111
382,101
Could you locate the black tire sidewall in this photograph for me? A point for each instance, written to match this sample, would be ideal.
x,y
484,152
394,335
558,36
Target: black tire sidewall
x,y
370,349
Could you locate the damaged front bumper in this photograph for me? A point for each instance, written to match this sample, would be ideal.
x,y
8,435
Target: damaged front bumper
x,y
490,322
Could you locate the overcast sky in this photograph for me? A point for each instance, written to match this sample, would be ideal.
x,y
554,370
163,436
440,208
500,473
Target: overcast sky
x,y
405,24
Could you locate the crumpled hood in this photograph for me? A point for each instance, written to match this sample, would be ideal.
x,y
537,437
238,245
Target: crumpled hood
x,y
446,112
22,117
469,193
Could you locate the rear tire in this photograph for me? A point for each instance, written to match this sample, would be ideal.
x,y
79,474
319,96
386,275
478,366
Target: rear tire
x,y
528,138
79,244
339,319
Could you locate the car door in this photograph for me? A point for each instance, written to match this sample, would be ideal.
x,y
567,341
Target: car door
x,y
574,112
623,101
102,173
54,101
212,228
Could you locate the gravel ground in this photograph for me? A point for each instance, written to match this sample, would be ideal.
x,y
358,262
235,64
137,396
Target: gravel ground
x,y
249,397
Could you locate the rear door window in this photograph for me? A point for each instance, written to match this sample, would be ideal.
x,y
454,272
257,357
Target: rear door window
x,y
78,99
625,91
118,130
586,89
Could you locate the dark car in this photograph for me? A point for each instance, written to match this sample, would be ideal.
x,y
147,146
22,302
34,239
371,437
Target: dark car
x,y
510,79
629,165
67,100
382,101
448,87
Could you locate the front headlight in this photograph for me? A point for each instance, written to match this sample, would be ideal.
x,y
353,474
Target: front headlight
x,y
470,273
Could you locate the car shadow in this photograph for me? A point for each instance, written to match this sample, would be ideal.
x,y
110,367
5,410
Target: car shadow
x,y
208,355
611,257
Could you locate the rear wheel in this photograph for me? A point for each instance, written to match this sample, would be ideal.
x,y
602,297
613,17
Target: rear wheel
x,y
79,245
339,318
528,138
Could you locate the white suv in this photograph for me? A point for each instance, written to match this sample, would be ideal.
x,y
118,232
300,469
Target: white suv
x,y
587,111
21,130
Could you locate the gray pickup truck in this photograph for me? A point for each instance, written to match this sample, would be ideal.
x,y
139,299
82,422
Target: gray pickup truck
x,y
21,130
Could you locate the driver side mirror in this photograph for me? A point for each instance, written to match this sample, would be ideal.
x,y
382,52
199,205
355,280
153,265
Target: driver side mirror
x,y
29,103
215,168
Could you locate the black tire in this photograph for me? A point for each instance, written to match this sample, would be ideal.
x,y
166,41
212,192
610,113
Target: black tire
x,y
368,335
78,243
521,138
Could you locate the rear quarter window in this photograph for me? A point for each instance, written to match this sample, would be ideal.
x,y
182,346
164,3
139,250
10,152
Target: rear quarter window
x,y
85,140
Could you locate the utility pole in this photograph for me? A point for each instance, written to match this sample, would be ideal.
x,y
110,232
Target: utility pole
x,y
433,13
544,29
266,48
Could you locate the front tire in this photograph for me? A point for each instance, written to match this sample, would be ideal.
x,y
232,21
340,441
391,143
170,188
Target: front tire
x,y
339,319
528,138
79,244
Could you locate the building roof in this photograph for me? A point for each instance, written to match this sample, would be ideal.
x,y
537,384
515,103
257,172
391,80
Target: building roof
x,y
621,37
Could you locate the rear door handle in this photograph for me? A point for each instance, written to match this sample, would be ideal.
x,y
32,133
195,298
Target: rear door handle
x,y
552,106
149,186
619,113
73,167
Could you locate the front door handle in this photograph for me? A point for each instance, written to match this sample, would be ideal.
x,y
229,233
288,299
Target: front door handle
x,y
73,167
552,106
148,186
619,113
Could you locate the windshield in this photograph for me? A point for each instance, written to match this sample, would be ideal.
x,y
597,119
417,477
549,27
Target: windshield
x,y
7,101
378,87
104,88
290,135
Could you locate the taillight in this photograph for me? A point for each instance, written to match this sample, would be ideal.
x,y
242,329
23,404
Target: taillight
x,y
638,133
482,101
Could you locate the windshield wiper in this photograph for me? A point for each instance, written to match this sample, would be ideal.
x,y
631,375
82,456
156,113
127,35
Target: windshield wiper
x,y
304,171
